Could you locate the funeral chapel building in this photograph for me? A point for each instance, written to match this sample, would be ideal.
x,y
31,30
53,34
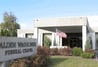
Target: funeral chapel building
x,y
77,29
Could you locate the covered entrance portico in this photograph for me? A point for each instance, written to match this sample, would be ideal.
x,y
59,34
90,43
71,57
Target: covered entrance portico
x,y
74,36
74,27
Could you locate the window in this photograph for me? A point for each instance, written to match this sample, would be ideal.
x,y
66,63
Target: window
x,y
47,37
29,35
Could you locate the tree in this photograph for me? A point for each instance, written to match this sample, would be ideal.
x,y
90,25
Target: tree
x,y
9,25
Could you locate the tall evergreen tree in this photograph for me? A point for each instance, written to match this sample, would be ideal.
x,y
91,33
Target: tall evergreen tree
x,y
9,25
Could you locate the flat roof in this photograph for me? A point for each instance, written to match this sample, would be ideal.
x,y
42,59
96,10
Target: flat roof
x,y
63,21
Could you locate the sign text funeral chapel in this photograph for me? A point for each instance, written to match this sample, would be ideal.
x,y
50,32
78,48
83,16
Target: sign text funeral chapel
x,y
12,48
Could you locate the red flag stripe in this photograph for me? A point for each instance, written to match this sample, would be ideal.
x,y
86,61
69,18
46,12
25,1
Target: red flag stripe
x,y
61,34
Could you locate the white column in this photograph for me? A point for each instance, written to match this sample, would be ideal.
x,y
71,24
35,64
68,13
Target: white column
x,y
60,42
52,44
93,41
36,35
57,41
41,39
53,41
84,34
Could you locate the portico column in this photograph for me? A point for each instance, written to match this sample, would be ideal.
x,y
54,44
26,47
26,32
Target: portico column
x,y
84,34
57,40
52,39
60,42
93,41
36,35
41,39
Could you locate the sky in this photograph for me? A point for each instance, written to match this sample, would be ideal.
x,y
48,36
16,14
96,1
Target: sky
x,y
27,11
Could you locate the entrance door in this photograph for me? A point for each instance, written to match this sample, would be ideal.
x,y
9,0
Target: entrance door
x,y
73,40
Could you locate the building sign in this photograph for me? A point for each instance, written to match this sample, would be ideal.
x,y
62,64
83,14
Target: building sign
x,y
12,48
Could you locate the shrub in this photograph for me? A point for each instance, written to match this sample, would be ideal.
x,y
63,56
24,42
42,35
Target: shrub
x,y
90,51
43,50
87,55
76,51
53,51
22,62
65,51
40,61
34,61
40,50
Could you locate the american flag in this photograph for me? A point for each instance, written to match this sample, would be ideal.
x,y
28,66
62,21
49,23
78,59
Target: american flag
x,y
61,34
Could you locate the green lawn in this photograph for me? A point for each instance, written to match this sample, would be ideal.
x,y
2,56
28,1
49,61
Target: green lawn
x,y
71,61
